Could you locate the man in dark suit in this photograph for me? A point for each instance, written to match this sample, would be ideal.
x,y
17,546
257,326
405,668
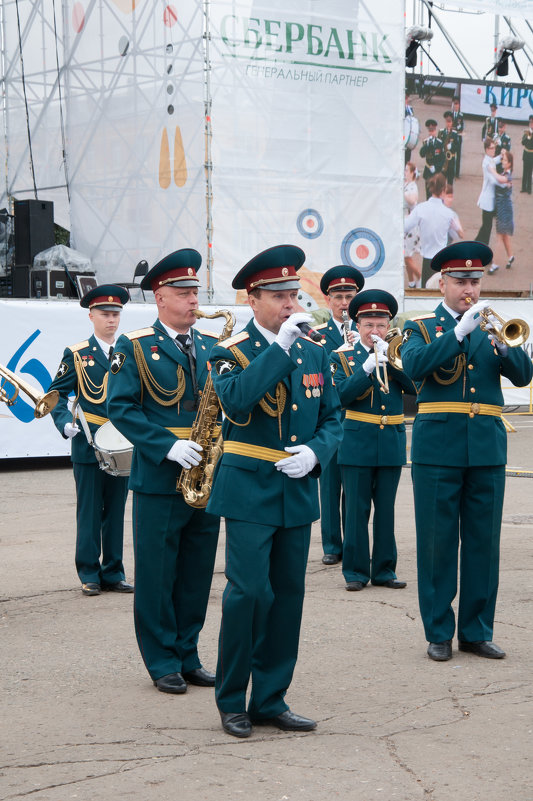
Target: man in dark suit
x,y
458,453
339,285
281,426
373,447
101,497
157,374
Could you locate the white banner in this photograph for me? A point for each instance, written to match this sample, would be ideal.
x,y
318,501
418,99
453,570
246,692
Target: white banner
x,y
514,102
33,336
135,96
301,152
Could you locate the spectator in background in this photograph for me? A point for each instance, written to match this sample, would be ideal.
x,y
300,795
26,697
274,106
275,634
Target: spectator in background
x,y
412,239
504,205
527,157
435,221
486,200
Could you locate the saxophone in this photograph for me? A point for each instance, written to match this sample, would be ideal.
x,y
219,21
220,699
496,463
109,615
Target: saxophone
x,y
196,483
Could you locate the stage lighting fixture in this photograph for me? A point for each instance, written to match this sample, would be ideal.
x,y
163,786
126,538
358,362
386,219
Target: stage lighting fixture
x,y
506,49
413,38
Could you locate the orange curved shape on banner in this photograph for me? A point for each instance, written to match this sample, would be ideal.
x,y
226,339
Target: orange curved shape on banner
x,y
126,6
180,165
164,162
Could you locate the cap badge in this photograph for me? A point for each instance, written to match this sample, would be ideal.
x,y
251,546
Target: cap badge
x,y
374,306
285,271
343,280
110,298
190,271
468,263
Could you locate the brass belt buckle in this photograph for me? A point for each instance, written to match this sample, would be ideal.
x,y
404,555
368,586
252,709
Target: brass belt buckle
x,y
474,409
384,419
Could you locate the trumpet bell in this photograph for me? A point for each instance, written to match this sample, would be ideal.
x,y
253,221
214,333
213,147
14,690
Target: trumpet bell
x,y
515,332
46,403
393,352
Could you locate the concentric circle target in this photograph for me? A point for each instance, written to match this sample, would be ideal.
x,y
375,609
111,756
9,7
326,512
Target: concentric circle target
x,y
310,224
364,249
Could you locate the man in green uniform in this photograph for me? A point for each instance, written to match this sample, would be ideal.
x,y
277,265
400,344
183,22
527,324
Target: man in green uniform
x,y
451,144
459,453
373,447
339,285
432,150
100,497
458,127
282,425
157,374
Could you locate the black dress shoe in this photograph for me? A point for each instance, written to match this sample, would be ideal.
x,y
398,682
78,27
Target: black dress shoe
x,y
237,724
331,558
90,588
392,584
200,677
354,586
482,648
440,651
289,721
118,586
171,683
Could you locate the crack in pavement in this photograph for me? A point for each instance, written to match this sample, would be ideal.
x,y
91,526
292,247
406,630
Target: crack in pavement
x,y
393,753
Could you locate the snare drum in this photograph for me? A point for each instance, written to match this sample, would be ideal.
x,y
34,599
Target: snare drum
x,y
411,132
112,450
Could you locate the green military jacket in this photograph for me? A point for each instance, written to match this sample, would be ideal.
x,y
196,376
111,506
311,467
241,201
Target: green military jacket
x,y
447,371
84,372
271,400
369,444
151,401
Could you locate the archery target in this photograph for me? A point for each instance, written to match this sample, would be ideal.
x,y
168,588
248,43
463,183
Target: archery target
x,y
310,223
364,249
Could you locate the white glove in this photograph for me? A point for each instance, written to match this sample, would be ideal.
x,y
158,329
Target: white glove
x,y
300,464
382,346
501,347
469,320
289,330
431,169
185,452
369,365
70,430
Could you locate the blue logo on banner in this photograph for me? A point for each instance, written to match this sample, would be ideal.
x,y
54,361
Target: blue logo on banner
x,y
21,410
310,224
364,249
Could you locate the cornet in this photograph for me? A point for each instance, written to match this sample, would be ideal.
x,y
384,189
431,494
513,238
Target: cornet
x,y
511,332
43,402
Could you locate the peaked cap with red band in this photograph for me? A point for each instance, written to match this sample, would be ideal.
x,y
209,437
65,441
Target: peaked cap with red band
x,y
275,269
373,303
462,259
341,278
176,269
107,297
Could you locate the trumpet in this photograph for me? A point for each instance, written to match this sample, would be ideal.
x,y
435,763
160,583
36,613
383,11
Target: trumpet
x,y
394,339
345,326
382,376
43,402
512,332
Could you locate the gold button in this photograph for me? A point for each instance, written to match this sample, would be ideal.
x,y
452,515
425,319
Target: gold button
x,y
294,438
294,406
203,347
472,389
299,361
382,426
298,345
383,408
470,366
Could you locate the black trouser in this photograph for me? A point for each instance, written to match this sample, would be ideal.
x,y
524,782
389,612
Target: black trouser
x,y
427,272
526,171
483,235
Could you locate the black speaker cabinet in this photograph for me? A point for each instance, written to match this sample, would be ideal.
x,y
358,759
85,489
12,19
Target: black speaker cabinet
x,y
34,228
21,281
53,284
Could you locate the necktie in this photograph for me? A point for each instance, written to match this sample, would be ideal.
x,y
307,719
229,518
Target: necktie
x,y
185,344
110,354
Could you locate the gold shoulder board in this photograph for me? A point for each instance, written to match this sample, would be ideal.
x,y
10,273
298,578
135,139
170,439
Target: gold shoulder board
x,y
421,317
240,337
321,326
346,346
205,333
141,332
79,346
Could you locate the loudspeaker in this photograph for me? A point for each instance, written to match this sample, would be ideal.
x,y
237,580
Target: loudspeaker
x,y
53,284
21,281
34,228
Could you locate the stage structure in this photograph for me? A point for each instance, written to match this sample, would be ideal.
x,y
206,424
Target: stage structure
x,y
225,126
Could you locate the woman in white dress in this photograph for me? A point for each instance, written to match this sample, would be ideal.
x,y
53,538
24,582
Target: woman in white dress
x,y
412,239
